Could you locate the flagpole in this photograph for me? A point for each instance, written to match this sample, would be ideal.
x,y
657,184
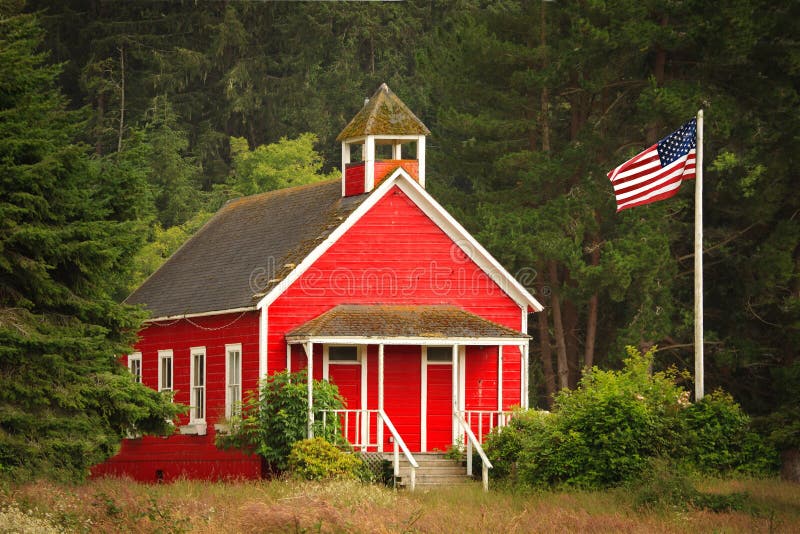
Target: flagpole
x,y
698,263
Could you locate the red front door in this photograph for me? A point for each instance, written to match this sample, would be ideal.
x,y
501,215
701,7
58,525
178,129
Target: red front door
x,y
439,413
347,378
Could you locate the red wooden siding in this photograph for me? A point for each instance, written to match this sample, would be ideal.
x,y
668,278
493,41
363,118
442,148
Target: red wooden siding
x,y
384,168
354,179
396,255
191,455
354,173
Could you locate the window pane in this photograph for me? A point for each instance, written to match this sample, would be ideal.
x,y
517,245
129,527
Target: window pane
x,y
343,354
440,354
199,370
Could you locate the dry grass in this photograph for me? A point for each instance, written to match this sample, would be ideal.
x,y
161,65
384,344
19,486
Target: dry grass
x,y
120,505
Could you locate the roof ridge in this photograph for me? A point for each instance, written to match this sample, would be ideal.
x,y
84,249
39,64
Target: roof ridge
x,y
276,192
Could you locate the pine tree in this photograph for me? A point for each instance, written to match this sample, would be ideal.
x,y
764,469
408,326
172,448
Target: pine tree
x,y
65,400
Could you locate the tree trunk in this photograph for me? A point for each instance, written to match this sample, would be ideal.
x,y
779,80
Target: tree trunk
x,y
591,332
546,355
591,317
569,318
561,347
790,465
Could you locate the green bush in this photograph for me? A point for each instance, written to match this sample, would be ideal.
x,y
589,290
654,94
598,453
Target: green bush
x,y
718,437
604,432
609,430
272,421
318,459
503,445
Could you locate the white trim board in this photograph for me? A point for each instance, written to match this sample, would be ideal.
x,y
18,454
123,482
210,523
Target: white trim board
x,y
199,314
400,178
426,341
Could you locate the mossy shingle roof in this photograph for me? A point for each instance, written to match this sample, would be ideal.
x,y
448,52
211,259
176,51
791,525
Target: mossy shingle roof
x,y
400,321
245,250
384,114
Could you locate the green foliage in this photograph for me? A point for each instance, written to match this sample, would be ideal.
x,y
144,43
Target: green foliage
x,y
610,429
717,437
275,417
504,445
318,459
604,432
65,401
287,163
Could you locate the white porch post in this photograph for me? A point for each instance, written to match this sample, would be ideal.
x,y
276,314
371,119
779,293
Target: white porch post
x,y
421,159
345,162
523,353
500,378
363,353
397,150
369,163
455,392
262,344
288,358
380,397
309,346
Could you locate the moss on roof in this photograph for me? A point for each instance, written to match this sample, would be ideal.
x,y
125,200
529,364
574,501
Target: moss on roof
x,y
388,321
383,114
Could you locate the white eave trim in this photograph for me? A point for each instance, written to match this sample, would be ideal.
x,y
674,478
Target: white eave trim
x,y
426,341
439,216
200,314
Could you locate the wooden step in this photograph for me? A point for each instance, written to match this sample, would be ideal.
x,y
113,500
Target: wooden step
x,y
435,470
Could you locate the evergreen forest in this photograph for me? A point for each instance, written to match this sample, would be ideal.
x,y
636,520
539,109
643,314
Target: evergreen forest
x,y
125,125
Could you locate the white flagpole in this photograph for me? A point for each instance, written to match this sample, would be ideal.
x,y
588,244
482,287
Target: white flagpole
x,y
698,263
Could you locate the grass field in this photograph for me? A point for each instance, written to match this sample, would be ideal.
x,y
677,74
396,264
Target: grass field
x,y
120,505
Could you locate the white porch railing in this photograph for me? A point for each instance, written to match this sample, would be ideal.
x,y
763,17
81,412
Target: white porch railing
x,y
483,421
471,442
356,425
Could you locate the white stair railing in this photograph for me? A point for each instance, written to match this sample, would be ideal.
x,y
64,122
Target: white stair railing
x,y
357,433
472,441
483,421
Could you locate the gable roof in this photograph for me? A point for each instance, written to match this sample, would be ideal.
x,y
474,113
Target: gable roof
x,y
243,250
429,322
436,213
384,114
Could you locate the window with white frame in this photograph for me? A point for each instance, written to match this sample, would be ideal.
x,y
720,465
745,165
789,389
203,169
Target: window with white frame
x,y
135,366
233,379
343,354
198,385
165,370
439,354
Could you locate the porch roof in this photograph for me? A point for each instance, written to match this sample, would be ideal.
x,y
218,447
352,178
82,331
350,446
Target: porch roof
x,y
404,325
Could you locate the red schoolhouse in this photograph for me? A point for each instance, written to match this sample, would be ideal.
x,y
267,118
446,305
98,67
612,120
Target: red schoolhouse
x,y
366,281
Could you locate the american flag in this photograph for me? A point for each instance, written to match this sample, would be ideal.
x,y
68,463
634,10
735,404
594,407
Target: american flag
x,y
656,173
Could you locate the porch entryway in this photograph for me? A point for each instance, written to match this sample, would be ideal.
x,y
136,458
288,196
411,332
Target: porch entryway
x,y
401,370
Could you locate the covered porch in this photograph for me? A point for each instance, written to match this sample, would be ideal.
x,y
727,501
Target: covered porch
x,y
425,376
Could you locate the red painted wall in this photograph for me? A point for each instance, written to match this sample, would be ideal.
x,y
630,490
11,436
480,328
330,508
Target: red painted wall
x,y
190,455
354,173
396,255
393,255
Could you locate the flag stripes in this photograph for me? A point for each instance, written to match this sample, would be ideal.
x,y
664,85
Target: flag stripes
x,y
656,173
642,180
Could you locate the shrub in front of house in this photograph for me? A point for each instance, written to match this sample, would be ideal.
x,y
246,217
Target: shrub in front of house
x,y
273,419
609,429
718,437
318,459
